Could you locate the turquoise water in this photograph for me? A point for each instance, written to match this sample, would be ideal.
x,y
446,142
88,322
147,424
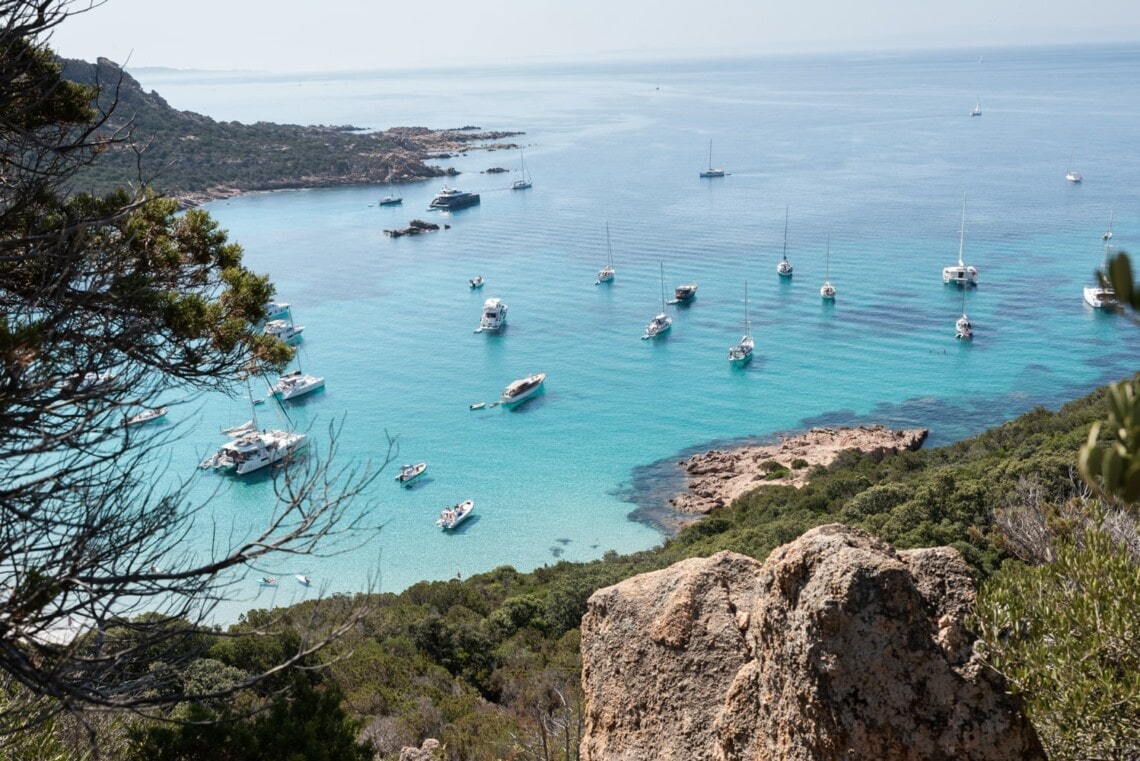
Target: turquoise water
x,y
873,152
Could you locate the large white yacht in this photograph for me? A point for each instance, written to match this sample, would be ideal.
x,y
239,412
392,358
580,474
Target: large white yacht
x,y
522,389
450,198
255,450
961,274
494,315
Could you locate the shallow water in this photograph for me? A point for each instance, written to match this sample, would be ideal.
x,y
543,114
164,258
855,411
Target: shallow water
x,y
873,152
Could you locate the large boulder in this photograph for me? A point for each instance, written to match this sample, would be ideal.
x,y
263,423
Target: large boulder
x,y
836,647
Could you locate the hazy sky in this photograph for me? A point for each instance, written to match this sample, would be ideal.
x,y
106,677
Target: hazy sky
x,y
288,35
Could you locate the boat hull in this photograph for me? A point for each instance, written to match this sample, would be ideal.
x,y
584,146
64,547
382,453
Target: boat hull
x,y
453,516
1100,298
461,201
522,389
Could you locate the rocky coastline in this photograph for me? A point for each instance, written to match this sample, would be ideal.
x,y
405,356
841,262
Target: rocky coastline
x,y
717,477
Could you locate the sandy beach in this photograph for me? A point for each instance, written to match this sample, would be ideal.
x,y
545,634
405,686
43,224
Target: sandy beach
x,y
718,477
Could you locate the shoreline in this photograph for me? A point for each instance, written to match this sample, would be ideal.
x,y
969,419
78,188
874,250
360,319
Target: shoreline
x,y
717,477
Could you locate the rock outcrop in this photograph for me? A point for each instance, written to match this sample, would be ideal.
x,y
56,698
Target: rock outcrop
x,y
837,647
718,477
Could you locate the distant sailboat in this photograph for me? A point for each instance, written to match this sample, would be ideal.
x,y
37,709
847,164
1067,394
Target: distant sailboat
x,y
741,353
1072,175
606,274
977,109
827,290
391,199
662,322
523,182
710,172
784,268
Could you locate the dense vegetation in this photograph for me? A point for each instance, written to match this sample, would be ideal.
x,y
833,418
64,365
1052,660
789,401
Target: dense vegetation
x,y
188,155
490,665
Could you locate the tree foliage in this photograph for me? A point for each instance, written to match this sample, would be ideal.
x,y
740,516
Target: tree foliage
x,y
108,305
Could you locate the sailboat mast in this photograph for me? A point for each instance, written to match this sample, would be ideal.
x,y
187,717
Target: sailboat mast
x,y
827,260
747,330
252,406
662,287
609,248
962,233
710,155
785,232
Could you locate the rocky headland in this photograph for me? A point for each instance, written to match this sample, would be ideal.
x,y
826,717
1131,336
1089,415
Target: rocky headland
x,y
836,647
717,477
196,159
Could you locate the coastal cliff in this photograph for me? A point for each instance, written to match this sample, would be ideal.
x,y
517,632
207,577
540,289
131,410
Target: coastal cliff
x,y
196,159
836,647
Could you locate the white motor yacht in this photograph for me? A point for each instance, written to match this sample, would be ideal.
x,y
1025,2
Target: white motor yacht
x,y
685,293
454,515
285,330
409,473
494,315
522,389
146,416
276,309
296,384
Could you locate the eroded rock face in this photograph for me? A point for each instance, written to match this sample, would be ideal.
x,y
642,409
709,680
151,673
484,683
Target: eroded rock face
x,y
836,647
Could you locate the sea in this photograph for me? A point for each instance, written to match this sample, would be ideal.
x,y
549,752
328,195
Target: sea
x,y
873,157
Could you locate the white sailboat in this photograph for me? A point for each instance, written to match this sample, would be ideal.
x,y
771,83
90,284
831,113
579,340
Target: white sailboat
x,y
661,322
741,353
524,180
391,199
784,268
827,290
962,274
606,274
252,449
977,109
1102,296
1072,175
710,172
963,328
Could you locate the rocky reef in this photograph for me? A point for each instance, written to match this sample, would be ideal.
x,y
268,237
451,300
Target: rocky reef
x,y
836,647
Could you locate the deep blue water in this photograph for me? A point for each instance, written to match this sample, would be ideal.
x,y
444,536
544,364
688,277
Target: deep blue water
x,y
873,152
